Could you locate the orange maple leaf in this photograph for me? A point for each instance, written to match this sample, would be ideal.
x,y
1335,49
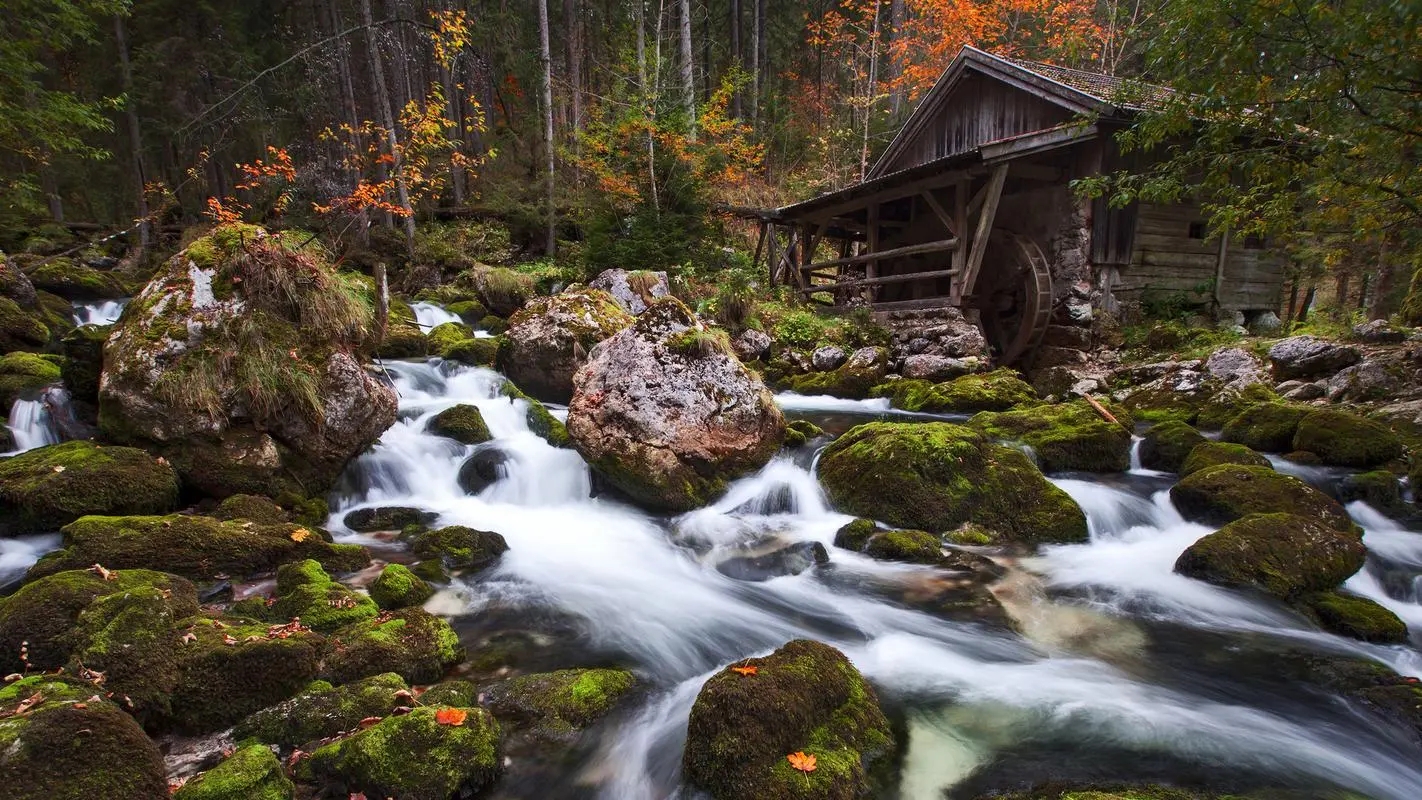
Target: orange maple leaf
x,y
747,670
451,716
300,535
802,761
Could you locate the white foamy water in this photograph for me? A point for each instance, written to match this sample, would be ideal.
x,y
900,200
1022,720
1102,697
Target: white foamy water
x,y
20,553
790,401
430,315
31,426
644,588
99,312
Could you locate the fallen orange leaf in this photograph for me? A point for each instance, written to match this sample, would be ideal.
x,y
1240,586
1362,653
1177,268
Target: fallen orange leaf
x,y
802,761
748,670
451,716
300,535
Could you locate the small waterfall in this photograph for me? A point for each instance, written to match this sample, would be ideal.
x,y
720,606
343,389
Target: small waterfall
x,y
31,425
100,312
430,316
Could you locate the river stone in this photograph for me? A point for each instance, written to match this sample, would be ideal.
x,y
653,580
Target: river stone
x,y
804,697
1167,445
632,290
48,487
1368,380
1231,364
387,518
668,415
1282,554
1309,356
827,358
1378,331
1222,494
938,368
552,336
752,344
485,467
791,559
415,756
1346,440
1301,391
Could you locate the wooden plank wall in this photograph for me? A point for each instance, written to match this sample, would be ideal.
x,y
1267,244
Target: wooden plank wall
x,y
1167,260
978,110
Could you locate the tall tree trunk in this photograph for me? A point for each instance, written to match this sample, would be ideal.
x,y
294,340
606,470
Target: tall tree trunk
x,y
575,67
895,71
1341,283
873,89
1381,287
382,99
545,58
757,59
1307,302
135,138
348,110
688,71
737,57
647,96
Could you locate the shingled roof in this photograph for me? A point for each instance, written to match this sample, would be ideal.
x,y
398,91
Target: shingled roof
x,y
1120,92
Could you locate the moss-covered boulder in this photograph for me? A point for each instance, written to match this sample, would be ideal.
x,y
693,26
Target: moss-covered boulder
x,y
998,390
200,548
410,642
74,280
1285,555
552,337
800,432
854,379
323,710
403,337
1223,494
476,352
460,548
917,547
398,587
1230,402
387,518
250,773
1269,427
462,423
804,698
856,534
83,350
447,334
415,756
253,507
20,328
25,374
1357,617
1066,436
254,344
307,593
1379,489
556,706
59,741
540,420
1346,440
667,414
1211,454
49,487
937,476
503,290
1167,445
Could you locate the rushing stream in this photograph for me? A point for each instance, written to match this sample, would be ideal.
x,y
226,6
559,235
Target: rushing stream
x,y
1124,669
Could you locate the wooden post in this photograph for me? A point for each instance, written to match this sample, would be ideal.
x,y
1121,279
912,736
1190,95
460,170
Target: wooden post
x,y
382,303
871,267
1220,268
991,197
960,256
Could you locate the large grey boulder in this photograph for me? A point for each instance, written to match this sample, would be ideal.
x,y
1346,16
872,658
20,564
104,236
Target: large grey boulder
x,y
938,368
1235,365
667,414
632,290
1310,356
1368,380
752,344
828,357
1379,331
552,336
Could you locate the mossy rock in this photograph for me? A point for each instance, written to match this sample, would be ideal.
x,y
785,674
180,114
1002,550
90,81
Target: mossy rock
x,y
75,281
415,757
917,547
411,642
55,312
1167,445
1346,440
998,390
853,380
70,746
254,507
855,535
476,352
494,325
306,592
250,773
448,334
83,350
799,432
231,668
471,311
1379,489
1222,494
1267,427
24,374
1285,555
1229,403
462,423
805,697
936,476
540,420
21,329
398,587
452,693
322,711
387,518
1211,454
556,706
1357,617
199,548
403,337
461,548
49,487
1066,436
503,290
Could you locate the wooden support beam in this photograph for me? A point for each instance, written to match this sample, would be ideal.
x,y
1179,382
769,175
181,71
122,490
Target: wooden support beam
x,y
760,246
871,267
960,223
937,209
897,252
907,277
984,227
906,189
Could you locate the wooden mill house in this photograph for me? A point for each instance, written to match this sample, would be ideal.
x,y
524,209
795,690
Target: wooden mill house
x,y
971,206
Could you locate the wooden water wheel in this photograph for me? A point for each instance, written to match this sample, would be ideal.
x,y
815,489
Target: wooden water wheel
x,y
1013,296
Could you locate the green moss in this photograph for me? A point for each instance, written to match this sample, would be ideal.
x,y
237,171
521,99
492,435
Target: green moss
x,y
387,518
83,350
799,432
403,338
1225,493
251,507
918,547
1161,403
540,421
462,423
1166,445
306,592
251,773
461,694
556,705
48,487
194,547
1379,489
936,476
1358,617
73,280
22,373
854,535
1211,454
1285,555
448,334
461,548
321,711
1229,403
1268,427
805,697
471,311
453,760
20,329
398,587
1346,440
851,380
411,642
1066,436
998,390
482,352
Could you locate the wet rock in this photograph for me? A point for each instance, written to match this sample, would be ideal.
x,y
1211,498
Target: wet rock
x,y
1066,436
804,697
380,761
387,518
1379,489
751,344
398,587
462,423
854,535
1357,617
250,773
1269,427
48,487
936,476
25,375
1346,440
321,711
799,432
826,358
73,280
788,560
21,329
417,645
1211,454
1234,364
1167,445
252,507
485,467
1309,356
633,290
460,548
306,592
938,368
1283,554
476,352
1379,331
1366,381
667,413
1299,391
1222,494
853,379
15,285
998,390
553,336
540,420
1265,323
556,706
403,337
